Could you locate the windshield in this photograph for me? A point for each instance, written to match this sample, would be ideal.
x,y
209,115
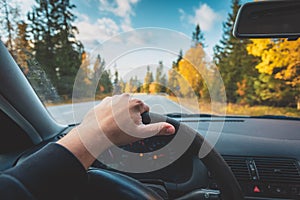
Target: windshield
x,y
177,56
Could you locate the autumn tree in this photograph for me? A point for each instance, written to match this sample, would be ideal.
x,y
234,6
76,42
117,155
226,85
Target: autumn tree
x,y
173,75
273,92
185,77
83,80
23,50
122,85
105,84
148,80
191,68
133,85
173,86
236,66
280,64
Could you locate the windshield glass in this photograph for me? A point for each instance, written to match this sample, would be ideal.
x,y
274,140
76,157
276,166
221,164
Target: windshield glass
x,y
75,53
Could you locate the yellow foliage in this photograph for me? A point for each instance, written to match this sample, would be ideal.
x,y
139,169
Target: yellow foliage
x,y
152,87
280,58
192,68
242,86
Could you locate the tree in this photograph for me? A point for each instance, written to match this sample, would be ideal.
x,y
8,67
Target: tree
x,y
41,83
234,63
191,69
160,79
133,85
117,86
22,51
279,63
83,80
9,20
198,37
105,84
116,80
122,85
173,81
148,80
55,45
101,77
173,76
273,92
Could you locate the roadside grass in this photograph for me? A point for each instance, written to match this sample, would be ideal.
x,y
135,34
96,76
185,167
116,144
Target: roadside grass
x,y
216,108
70,101
262,110
236,109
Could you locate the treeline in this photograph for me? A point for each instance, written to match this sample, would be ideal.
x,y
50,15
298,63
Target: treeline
x,y
254,72
261,71
46,47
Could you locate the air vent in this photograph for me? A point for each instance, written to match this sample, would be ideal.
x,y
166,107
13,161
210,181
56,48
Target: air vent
x,y
277,170
239,168
61,136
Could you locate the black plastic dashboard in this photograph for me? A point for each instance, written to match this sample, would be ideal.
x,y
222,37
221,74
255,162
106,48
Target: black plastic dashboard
x,y
264,155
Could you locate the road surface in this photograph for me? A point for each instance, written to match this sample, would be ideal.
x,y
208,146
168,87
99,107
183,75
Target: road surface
x,y
74,113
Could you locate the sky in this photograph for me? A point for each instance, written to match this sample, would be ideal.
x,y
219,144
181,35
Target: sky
x,y
98,21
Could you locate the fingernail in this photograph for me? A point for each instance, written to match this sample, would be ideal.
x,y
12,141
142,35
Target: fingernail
x,y
170,130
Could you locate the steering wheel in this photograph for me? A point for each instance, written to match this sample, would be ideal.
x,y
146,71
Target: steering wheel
x,y
112,185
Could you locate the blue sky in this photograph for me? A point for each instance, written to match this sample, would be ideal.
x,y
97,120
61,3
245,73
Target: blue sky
x,y
98,20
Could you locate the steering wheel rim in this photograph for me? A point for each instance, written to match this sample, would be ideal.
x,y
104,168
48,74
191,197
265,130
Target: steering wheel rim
x,y
127,187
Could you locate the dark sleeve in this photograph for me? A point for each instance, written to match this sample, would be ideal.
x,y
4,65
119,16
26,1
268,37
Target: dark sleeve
x,y
51,173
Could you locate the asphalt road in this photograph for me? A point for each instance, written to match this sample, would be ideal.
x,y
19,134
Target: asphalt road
x,y
74,113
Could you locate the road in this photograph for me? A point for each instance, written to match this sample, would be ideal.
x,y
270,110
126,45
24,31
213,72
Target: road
x,y
73,113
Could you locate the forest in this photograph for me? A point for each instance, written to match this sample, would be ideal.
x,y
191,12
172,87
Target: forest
x,y
254,72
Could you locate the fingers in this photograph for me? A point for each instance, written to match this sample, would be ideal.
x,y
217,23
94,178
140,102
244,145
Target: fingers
x,y
135,104
160,128
127,116
139,105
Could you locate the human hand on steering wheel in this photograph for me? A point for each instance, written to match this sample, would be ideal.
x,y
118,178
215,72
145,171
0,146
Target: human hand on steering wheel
x,y
115,121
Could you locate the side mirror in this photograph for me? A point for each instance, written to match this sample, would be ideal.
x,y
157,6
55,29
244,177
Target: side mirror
x,y
268,19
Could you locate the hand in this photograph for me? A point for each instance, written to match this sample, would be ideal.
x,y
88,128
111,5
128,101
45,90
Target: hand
x,y
115,121
119,119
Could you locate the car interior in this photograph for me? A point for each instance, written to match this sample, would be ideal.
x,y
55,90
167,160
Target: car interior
x,y
253,158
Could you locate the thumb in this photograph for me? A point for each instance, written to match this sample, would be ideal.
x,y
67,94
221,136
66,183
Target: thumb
x,y
160,128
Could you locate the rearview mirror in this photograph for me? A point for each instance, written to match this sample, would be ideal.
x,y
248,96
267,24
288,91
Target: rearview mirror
x,y
268,19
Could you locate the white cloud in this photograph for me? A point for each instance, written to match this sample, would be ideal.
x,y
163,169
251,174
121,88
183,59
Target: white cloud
x,y
182,14
24,5
204,15
96,32
120,8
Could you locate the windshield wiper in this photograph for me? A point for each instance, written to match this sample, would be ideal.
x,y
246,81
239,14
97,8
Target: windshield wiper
x,y
205,115
186,115
275,117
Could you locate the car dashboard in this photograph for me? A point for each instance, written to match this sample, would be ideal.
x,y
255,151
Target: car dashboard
x,y
263,154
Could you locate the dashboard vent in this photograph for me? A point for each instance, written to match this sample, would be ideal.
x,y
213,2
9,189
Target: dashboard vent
x,y
61,136
277,170
239,168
